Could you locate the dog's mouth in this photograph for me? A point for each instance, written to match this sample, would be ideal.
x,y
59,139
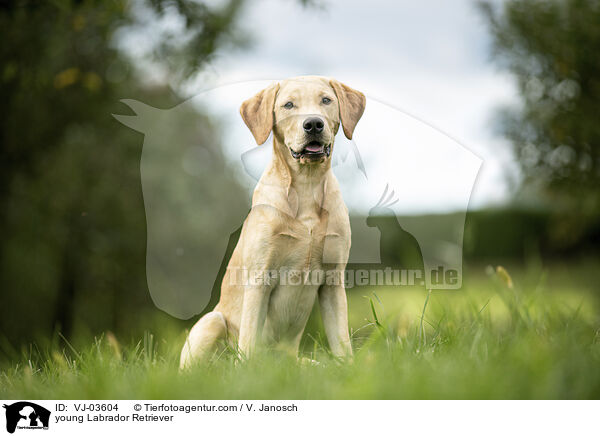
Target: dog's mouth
x,y
312,150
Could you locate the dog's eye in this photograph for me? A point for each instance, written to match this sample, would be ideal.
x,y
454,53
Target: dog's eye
x,y
326,100
288,105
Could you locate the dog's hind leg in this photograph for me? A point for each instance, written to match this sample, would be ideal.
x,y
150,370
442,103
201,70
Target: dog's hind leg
x,y
203,338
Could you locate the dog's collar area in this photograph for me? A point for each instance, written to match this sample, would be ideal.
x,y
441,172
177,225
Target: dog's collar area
x,y
325,150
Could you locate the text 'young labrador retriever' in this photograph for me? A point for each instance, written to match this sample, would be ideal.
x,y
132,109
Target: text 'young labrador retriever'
x,y
295,242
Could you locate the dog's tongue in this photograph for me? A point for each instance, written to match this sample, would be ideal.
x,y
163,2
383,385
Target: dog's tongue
x,y
313,148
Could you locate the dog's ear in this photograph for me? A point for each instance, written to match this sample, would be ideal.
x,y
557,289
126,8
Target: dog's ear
x,y
257,113
352,106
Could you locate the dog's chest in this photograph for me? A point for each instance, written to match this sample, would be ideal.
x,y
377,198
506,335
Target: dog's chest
x,y
301,245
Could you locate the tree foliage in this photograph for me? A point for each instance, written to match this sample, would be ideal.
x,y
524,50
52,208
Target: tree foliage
x,y
551,47
71,210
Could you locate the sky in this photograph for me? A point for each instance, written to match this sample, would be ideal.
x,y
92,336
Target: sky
x,y
431,90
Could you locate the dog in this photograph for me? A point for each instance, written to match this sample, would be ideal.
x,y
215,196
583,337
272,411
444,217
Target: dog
x,y
295,242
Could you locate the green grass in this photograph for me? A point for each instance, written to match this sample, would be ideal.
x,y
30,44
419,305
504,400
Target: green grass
x,y
540,339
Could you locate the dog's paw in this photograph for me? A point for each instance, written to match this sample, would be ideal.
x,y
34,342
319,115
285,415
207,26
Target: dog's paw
x,y
305,361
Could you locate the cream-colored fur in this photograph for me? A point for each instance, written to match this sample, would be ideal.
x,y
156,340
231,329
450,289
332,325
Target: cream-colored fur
x,y
298,222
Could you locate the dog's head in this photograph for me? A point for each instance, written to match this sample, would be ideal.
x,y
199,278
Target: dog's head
x,y
304,114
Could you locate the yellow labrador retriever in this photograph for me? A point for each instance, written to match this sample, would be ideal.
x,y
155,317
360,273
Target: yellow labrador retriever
x,y
295,242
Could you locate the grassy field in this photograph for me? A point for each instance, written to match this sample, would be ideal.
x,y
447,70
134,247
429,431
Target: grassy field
x,y
537,339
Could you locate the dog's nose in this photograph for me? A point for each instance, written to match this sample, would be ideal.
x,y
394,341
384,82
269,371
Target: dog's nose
x,y
313,125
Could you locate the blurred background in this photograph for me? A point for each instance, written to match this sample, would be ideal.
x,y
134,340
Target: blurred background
x,y
516,82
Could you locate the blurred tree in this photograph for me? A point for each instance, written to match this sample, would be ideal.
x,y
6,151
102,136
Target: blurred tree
x,y
71,209
552,49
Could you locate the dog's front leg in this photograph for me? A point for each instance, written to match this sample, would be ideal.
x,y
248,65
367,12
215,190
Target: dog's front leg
x,y
254,313
334,310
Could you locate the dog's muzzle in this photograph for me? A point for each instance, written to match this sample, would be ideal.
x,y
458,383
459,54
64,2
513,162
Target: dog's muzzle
x,y
313,151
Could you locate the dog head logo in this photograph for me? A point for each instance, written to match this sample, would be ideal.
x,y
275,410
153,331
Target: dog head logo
x,y
26,415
